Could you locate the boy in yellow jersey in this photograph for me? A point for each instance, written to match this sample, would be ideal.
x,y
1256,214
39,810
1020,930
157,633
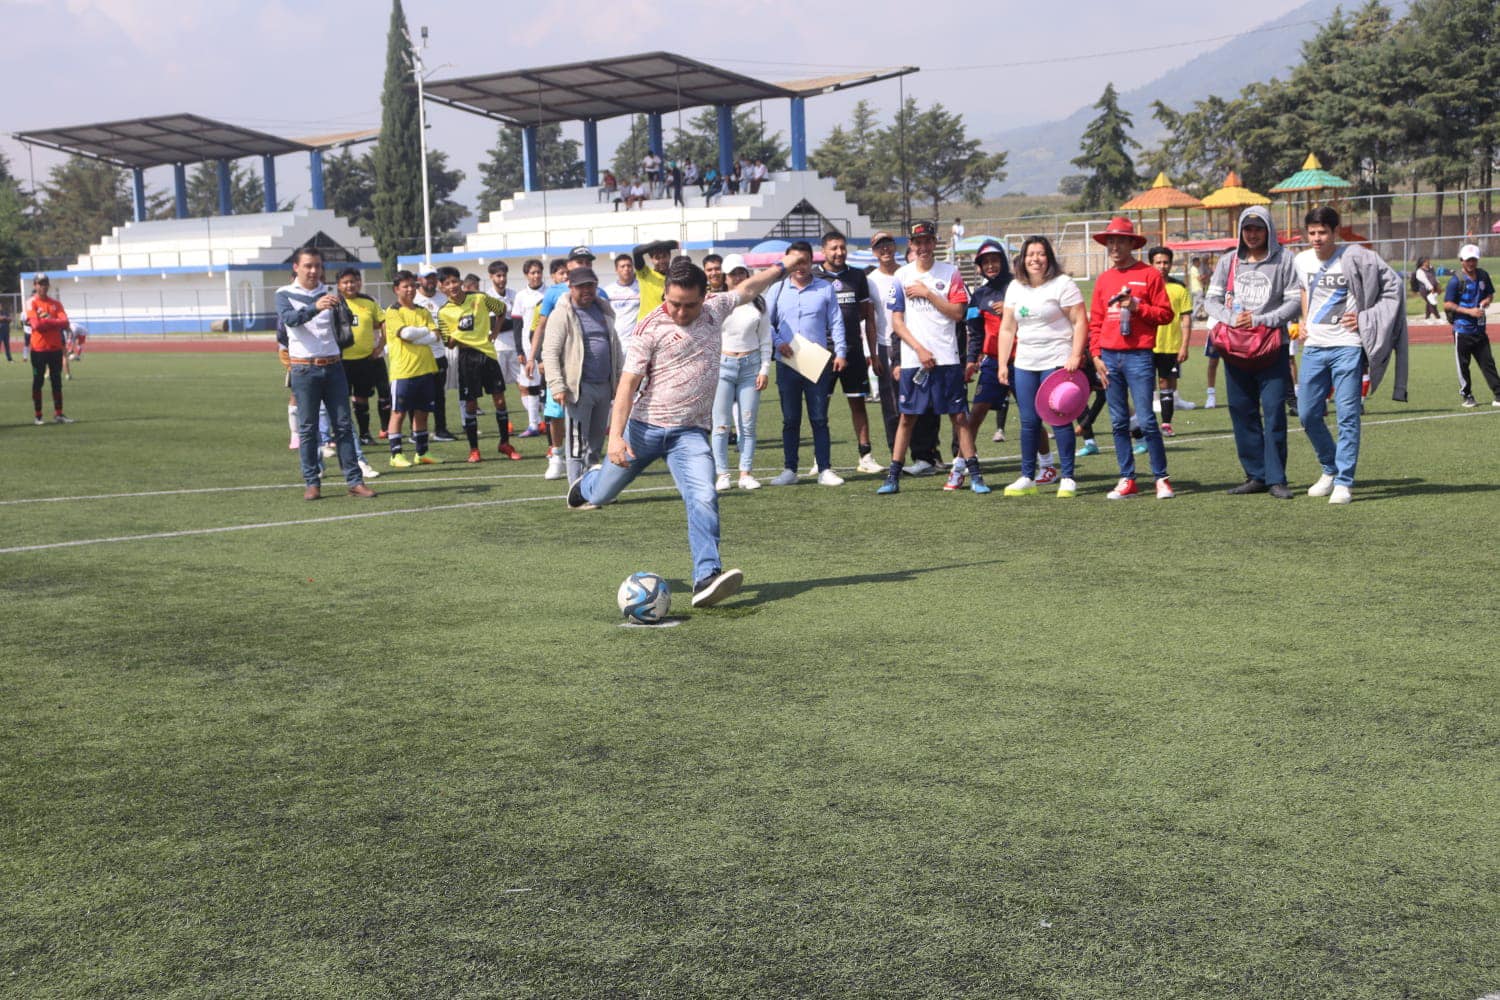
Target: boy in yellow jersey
x,y
413,365
464,322
364,360
1172,338
651,261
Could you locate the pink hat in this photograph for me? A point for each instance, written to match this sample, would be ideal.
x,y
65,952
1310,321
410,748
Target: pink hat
x,y
1062,397
1121,226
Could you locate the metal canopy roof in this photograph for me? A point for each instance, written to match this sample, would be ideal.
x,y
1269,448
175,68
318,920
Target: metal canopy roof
x,y
843,81
626,85
152,142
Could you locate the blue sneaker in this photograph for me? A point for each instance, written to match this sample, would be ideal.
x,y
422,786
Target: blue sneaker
x,y
891,485
977,483
1090,447
1139,449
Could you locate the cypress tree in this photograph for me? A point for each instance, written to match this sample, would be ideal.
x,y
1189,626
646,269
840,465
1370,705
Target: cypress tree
x,y
1105,152
398,155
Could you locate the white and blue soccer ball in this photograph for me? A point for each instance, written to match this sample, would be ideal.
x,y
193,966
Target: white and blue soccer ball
x,y
645,598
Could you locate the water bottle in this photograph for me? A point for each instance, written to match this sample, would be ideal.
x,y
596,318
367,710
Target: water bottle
x,y
1125,319
920,378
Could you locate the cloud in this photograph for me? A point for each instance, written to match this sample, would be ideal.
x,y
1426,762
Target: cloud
x,y
150,24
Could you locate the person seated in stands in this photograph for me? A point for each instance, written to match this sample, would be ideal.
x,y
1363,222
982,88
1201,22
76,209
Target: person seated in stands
x,y
690,173
715,186
736,176
635,195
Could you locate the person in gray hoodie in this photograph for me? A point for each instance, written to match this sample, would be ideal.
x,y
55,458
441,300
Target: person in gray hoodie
x,y
1265,292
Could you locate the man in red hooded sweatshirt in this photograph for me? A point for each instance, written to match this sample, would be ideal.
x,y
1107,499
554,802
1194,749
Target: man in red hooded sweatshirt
x,y
1130,302
48,321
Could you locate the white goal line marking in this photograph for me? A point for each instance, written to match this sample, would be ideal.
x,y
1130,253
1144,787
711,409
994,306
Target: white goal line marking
x,y
186,533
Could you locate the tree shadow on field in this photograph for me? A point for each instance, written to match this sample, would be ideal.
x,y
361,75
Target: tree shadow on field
x,y
763,593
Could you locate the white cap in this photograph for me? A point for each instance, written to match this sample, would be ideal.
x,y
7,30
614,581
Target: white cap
x,y
1468,251
735,262
425,270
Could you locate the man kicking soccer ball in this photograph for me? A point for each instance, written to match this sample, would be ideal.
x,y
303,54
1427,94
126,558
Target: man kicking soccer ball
x,y
678,344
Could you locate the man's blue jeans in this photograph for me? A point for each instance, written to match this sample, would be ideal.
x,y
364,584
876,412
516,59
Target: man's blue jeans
x,y
1341,368
793,388
1257,412
324,385
692,465
1026,383
1133,372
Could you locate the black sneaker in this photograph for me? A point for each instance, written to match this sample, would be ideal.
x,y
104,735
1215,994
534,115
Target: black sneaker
x,y
575,497
443,436
712,589
1248,486
365,439
1280,491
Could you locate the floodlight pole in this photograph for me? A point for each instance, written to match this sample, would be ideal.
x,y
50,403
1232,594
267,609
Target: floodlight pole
x,y
416,71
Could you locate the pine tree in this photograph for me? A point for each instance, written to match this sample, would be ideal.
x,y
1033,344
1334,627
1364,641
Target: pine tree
x,y
1105,153
855,159
626,163
15,226
560,161
398,158
247,192
83,200
700,140
349,187
946,163
446,213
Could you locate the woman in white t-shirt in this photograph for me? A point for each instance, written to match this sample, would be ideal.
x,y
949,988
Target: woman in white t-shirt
x,y
744,369
1046,321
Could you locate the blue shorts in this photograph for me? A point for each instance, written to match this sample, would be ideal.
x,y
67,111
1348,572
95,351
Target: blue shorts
x,y
989,392
944,392
1209,350
408,394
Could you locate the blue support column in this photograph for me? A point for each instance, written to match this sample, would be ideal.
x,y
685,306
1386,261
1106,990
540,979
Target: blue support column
x,y
226,205
591,153
268,181
726,139
530,178
179,190
799,134
653,133
315,170
138,185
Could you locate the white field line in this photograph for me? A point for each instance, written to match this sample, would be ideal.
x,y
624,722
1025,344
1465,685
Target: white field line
x,y
533,475
16,549
552,498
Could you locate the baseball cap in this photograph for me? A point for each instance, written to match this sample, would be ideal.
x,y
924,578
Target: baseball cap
x,y
921,229
580,253
988,247
426,270
735,262
880,236
582,276
1469,251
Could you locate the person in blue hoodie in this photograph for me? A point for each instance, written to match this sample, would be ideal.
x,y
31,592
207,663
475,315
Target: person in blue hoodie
x,y
1265,292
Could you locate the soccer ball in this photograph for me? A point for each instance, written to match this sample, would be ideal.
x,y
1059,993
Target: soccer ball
x,y
645,598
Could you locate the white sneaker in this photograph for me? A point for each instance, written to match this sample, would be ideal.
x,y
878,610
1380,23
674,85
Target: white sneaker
x,y
330,450
1496,403
721,485
1066,488
748,482
999,435
788,477
369,470
830,478
1183,404
921,467
557,467
867,463
1209,400
1322,487
1341,495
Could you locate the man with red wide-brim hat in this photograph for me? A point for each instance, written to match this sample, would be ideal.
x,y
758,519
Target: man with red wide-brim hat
x,y
1130,302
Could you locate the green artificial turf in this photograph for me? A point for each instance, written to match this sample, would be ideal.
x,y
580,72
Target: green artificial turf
x,y
940,745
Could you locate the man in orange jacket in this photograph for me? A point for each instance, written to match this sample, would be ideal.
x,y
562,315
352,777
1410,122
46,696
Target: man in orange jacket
x,y
48,321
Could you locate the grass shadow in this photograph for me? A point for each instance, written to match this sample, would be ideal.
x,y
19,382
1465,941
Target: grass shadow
x,y
764,593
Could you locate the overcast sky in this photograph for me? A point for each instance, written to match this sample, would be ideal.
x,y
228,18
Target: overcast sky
x,y
297,69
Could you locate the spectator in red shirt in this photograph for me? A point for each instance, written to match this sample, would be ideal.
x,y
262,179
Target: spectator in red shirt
x,y
48,321
1130,302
